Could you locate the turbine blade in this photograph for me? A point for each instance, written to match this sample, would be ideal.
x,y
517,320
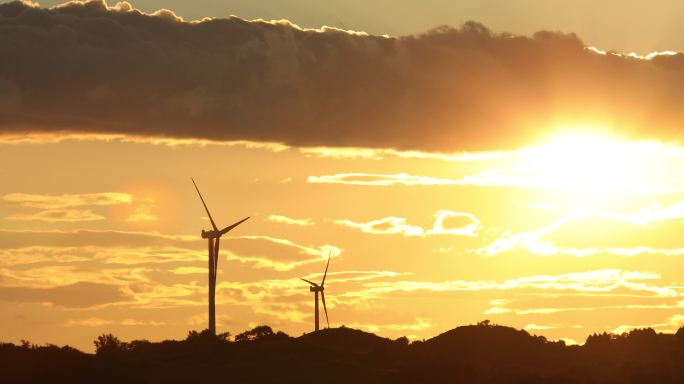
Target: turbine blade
x,y
326,269
310,282
228,228
324,308
205,206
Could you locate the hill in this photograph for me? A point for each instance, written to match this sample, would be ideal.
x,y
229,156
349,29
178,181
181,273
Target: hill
x,y
481,353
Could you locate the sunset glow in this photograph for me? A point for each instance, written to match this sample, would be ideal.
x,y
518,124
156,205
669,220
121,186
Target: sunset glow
x,y
594,168
498,169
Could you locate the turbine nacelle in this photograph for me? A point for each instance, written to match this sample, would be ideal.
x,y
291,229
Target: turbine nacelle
x,y
210,234
215,234
316,289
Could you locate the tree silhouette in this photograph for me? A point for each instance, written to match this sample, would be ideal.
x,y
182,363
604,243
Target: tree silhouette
x,y
206,334
108,344
260,332
483,353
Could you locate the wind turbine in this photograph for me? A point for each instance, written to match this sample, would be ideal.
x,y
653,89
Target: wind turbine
x,y
320,288
214,237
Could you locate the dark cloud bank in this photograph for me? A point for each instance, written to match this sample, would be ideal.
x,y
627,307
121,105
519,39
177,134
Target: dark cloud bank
x,y
84,67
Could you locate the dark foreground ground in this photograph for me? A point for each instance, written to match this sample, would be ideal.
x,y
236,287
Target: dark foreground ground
x,y
480,353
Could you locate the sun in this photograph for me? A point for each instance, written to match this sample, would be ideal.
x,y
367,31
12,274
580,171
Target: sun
x,y
592,168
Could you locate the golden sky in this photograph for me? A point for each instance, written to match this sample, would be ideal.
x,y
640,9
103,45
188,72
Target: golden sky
x,y
468,197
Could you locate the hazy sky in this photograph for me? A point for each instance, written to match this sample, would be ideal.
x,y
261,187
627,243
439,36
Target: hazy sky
x,y
103,236
622,25
533,182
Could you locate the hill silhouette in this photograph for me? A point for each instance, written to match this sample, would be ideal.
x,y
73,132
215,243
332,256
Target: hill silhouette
x,y
482,353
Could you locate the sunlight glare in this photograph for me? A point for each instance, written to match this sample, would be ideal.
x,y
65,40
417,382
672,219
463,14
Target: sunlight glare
x,y
595,167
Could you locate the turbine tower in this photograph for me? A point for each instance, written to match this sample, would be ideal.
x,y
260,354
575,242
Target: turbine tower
x,y
214,237
319,288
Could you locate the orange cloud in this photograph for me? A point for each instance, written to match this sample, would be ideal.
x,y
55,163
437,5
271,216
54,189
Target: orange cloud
x,y
67,201
380,179
56,215
149,248
64,208
88,322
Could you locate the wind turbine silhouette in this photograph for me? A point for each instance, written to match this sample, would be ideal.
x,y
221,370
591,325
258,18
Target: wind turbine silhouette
x,y
214,237
319,288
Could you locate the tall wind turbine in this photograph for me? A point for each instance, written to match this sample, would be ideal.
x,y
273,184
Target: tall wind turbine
x,y
214,237
320,288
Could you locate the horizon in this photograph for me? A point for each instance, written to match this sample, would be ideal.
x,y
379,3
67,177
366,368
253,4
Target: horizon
x,y
265,331
482,170
482,353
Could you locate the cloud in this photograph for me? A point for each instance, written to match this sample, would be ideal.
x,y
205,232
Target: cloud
x,y
189,271
56,215
77,295
380,179
606,281
67,201
520,174
274,253
141,248
446,223
288,220
382,153
108,238
273,289
535,327
454,223
289,299
143,213
386,226
503,309
137,323
419,325
89,270
583,232
67,207
89,322
449,89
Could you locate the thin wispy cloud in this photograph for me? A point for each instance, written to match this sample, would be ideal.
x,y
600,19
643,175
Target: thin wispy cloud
x,y
526,311
598,281
143,212
385,226
349,153
71,207
80,295
306,222
87,322
275,253
150,248
57,215
380,179
548,240
420,324
446,223
48,201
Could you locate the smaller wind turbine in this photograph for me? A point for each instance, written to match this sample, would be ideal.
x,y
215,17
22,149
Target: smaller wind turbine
x,y
320,288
